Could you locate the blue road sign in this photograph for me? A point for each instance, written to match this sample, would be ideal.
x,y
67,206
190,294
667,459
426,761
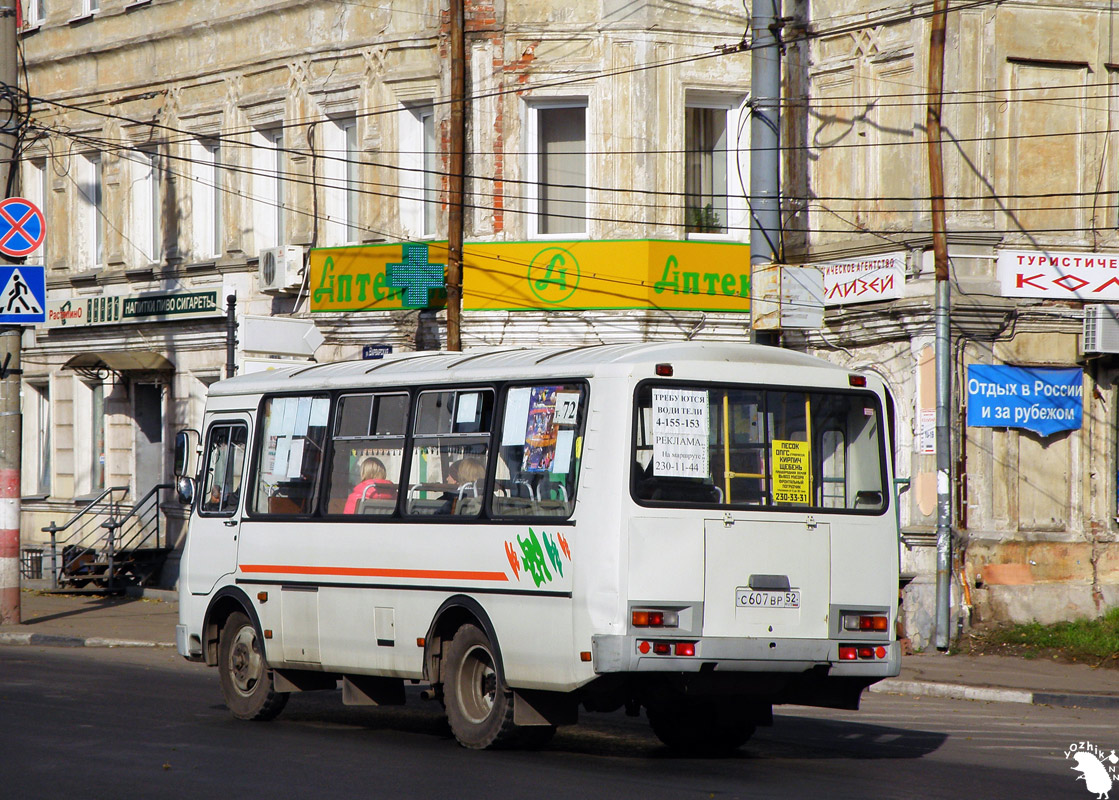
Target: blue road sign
x,y
21,227
23,298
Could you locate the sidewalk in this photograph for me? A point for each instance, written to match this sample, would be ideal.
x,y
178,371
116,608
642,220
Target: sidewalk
x,y
144,619
148,619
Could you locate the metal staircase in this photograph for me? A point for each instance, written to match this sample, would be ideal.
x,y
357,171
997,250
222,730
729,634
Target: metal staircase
x,y
109,545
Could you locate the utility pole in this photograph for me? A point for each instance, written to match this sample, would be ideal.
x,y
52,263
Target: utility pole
x,y
765,140
941,315
456,167
10,373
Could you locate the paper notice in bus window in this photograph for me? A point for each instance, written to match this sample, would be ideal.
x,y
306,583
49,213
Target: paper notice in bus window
x,y
567,408
516,417
467,407
680,426
302,416
295,459
540,433
792,478
565,441
280,465
320,407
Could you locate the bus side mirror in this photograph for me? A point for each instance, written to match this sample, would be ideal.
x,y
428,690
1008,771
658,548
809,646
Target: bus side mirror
x,y
182,453
184,485
184,488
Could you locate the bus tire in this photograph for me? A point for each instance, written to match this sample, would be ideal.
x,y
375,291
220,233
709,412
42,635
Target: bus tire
x,y
701,729
479,704
246,680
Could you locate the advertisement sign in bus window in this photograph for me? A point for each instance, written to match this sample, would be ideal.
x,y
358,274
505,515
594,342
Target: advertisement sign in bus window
x,y
680,425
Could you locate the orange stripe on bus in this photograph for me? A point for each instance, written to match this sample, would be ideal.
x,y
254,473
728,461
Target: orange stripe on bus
x,y
377,572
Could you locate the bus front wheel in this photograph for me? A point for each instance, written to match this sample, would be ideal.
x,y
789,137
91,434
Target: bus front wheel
x,y
479,704
246,680
701,729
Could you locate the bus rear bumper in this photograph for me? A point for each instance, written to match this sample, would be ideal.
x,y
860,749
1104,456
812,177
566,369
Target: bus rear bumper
x,y
627,654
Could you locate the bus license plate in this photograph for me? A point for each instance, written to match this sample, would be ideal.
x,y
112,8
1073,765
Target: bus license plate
x,y
748,598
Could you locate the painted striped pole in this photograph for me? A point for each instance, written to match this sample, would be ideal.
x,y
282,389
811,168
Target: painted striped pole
x,y
10,373
10,453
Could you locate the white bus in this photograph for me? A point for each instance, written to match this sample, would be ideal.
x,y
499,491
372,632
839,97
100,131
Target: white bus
x,y
701,530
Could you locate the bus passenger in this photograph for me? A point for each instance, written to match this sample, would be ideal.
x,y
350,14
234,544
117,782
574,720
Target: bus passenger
x,y
373,485
465,471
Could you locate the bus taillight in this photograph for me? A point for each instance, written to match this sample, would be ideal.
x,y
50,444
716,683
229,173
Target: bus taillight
x,y
654,618
856,622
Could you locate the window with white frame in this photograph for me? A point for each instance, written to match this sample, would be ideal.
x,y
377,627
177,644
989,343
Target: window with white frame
x,y
36,13
37,440
145,231
90,228
420,175
716,168
90,6
557,168
341,162
90,452
268,187
206,198
35,190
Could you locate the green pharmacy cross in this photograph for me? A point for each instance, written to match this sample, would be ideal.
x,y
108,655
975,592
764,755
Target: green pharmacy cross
x,y
415,276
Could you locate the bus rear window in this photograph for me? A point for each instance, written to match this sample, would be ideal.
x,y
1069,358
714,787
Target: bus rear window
x,y
748,447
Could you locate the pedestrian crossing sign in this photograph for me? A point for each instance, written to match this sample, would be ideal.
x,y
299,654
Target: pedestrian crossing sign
x,y
23,298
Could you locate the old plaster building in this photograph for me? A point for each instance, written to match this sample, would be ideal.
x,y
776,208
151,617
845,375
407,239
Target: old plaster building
x,y
1031,179
175,145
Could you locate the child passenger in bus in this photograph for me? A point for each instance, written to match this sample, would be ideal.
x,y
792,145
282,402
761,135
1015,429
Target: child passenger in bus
x,y
373,485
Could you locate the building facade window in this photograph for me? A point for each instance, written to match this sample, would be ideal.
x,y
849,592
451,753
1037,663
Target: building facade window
x,y
268,187
206,198
90,6
36,13
37,439
91,226
146,205
716,167
705,170
341,170
557,168
35,190
420,176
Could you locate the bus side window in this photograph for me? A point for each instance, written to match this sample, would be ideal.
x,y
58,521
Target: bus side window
x,y
288,469
225,463
367,454
540,448
450,453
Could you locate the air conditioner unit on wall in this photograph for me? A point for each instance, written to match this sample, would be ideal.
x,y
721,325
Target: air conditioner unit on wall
x,y
280,269
1101,329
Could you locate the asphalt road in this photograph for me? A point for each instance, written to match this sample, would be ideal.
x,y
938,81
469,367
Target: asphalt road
x,y
127,723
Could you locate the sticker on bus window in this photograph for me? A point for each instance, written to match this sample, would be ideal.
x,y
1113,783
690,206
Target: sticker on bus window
x,y
680,428
516,416
792,478
565,442
540,432
467,407
567,408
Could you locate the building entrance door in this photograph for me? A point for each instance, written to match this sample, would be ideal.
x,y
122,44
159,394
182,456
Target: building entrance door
x,y
147,413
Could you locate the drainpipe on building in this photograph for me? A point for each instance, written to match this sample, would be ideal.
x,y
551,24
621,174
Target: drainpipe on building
x,y
765,154
941,316
10,373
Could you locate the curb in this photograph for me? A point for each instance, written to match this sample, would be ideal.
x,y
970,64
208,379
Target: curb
x,y
959,691
51,640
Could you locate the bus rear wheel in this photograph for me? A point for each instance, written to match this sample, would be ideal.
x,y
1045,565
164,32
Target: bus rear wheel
x,y
479,704
246,680
702,729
